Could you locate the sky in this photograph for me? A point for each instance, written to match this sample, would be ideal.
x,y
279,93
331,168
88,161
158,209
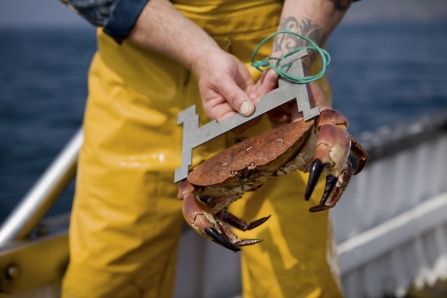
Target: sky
x,y
51,13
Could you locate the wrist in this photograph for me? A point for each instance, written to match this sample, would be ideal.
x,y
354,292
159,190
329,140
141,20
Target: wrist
x,y
203,57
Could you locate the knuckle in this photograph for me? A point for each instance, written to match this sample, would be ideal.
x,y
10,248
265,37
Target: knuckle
x,y
232,97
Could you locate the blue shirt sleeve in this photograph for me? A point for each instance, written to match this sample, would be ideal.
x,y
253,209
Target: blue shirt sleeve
x,y
122,18
116,17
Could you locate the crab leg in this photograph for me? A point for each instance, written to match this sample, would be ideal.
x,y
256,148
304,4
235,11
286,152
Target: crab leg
x,y
199,216
234,240
240,224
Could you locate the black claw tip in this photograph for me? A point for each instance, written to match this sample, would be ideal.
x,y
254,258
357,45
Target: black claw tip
x,y
331,181
219,239
257,223
315,172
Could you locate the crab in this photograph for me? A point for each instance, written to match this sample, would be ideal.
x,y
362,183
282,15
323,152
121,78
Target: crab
x,y
315,146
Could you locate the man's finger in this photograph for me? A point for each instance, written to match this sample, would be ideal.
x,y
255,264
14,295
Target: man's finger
x,y
267,82
237,98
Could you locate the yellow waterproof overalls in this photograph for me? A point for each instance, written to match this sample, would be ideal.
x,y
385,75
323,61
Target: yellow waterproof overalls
x,y
126,219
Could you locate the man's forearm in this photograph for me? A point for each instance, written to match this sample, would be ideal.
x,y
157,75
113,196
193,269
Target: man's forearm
x,y
315,19
162,28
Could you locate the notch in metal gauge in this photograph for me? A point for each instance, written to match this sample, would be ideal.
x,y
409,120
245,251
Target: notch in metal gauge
x,y
193,135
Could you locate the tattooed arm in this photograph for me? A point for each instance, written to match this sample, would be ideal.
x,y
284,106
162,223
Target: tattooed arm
x,y
315,19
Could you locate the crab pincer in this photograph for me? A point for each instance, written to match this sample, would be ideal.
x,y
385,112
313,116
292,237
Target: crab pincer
x,y
201,214
333,146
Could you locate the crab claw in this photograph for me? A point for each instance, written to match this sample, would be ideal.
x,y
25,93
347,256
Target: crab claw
x,y
334,189
331,181
199,217
333,146
335,186
315,171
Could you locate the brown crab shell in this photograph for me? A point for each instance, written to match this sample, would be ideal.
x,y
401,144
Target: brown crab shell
x,y
265,152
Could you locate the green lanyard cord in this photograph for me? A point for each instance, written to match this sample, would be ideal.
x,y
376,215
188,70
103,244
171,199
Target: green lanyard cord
x,y
299,80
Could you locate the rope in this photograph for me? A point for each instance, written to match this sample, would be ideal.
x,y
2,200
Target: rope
x,y
280,68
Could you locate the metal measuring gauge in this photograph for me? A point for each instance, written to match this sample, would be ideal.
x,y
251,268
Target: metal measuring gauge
x,y
194,136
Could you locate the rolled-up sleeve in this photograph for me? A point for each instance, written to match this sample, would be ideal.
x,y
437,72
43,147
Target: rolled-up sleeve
x,y
116,17
122,18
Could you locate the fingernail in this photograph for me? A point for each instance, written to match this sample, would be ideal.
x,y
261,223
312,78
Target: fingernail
x,y
245,107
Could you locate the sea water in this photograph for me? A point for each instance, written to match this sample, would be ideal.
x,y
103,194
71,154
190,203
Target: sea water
x,y
381,74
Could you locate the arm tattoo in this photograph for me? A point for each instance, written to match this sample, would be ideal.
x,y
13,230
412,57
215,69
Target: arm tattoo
x,y
342,5
284,43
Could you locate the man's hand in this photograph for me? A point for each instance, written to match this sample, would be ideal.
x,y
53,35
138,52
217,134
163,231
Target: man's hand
x,y
226,87
224,82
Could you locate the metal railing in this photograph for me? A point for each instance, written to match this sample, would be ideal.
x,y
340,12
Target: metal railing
x,y
43,194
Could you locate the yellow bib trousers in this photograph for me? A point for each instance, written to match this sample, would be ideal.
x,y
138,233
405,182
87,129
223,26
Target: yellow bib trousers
x,y
126,219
